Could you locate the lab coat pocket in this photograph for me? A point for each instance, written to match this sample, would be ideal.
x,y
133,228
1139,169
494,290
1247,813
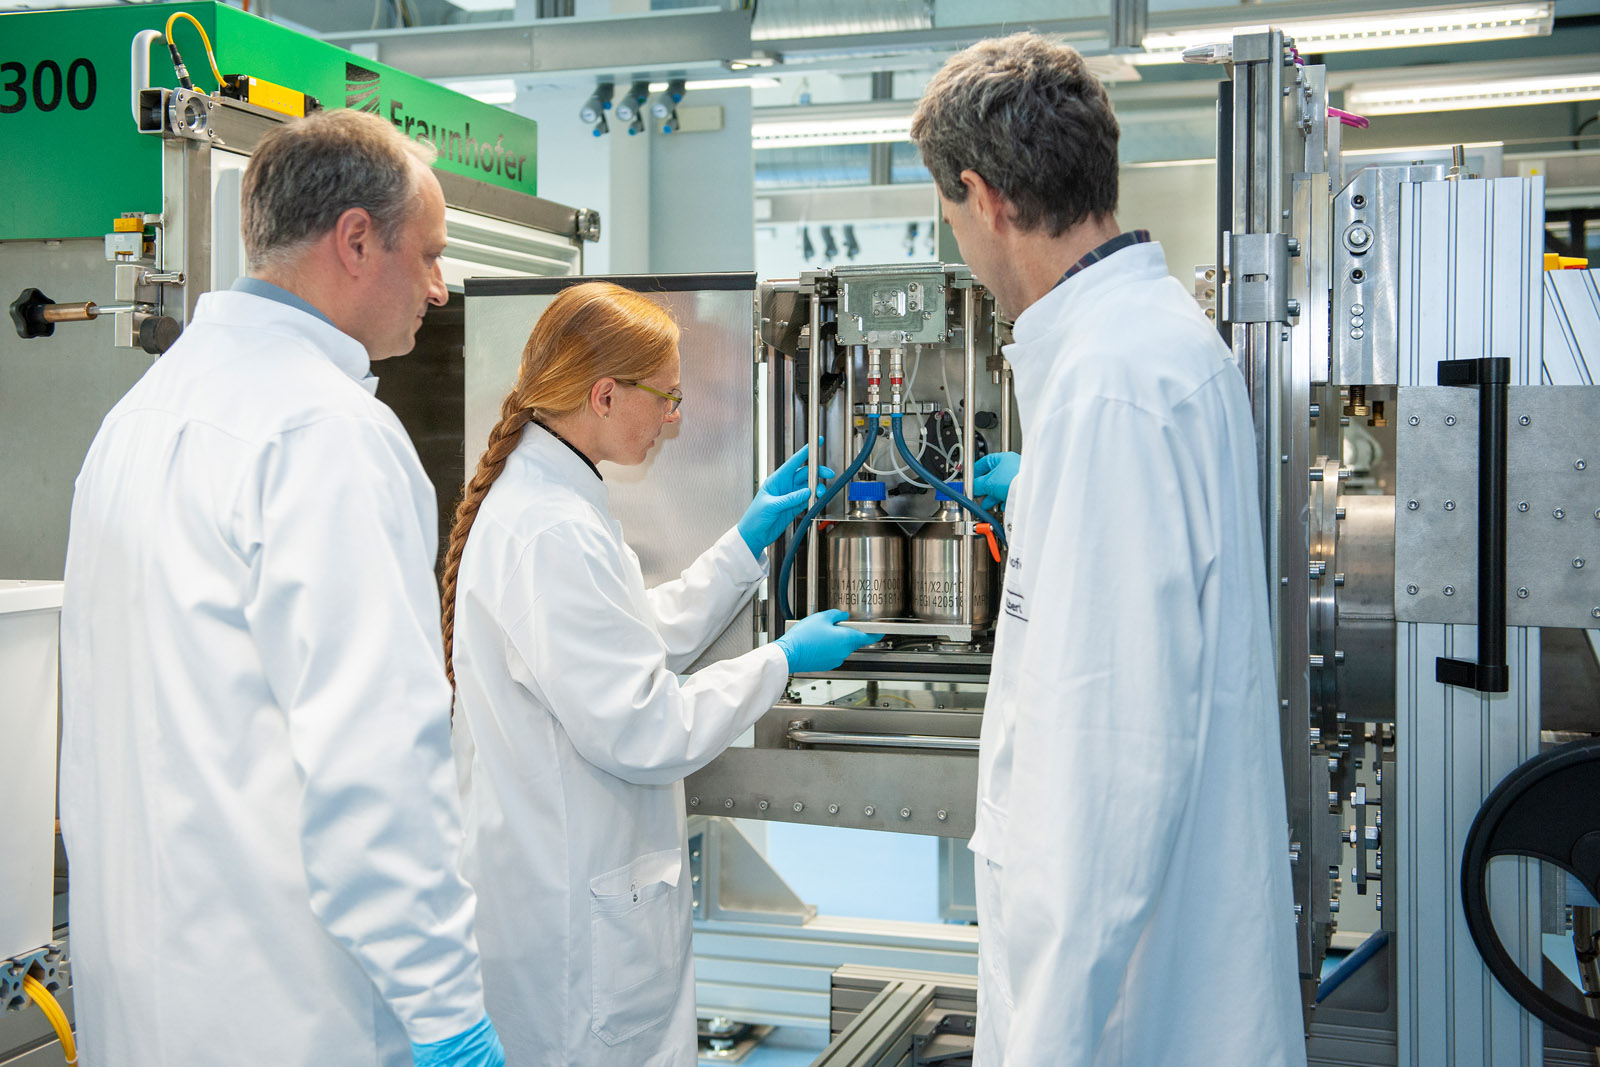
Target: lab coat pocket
x,y
636,932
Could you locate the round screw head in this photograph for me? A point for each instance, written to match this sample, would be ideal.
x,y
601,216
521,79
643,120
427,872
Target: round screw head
x,y
942,815
728,803
799,807
1522,505
1412,505
1559,513
1579,465
1449,505
1449,590
833,809
1413,420
1524,420
694,802
1578,563
905,813
1595,614
761,805
1522,594
1449,420
1411,589
869,811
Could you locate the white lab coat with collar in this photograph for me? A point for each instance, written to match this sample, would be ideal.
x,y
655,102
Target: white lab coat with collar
x,y
256,788
1131,845
572,736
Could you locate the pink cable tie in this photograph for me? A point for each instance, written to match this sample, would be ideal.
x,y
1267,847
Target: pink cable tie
x,y
1348,118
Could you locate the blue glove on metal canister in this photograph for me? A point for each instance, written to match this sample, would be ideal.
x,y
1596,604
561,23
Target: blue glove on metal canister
x,y
816,644
779,501
478,1046
992,475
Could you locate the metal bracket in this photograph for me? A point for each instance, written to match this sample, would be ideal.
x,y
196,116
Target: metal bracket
x,y
47,964
1257,273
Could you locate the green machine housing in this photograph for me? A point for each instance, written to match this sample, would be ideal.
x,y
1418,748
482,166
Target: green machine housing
x,y
75,159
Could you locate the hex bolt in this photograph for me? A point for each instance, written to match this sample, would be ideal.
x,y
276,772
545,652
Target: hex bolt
x,y
762,805
1411,589
1339,513
1449,590
1338,655
1344,474
869,811
728,803
1413,420
1412,505
1524,420
905,813
799,807
1449,505
1559,513
1338,580
1333,905
694,802
1522,594
942,815
1292,306
833,809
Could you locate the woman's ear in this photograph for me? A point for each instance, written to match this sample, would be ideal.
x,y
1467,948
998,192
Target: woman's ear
x,y
602,395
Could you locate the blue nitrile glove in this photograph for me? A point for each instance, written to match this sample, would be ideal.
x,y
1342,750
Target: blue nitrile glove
x,y
816,644
779,501
478,1046
992,475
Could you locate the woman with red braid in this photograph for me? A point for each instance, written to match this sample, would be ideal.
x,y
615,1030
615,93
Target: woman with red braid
x,y
572,731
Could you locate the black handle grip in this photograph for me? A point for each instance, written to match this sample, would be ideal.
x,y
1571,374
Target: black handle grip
x,y
1489,674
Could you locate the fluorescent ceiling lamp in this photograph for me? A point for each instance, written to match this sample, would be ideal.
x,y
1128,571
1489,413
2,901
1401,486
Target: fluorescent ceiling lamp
x,y
1465,95
720,83
839,131
1351,33
484,5
489,91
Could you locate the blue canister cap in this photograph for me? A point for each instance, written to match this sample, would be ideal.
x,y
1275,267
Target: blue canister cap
x,y
866,491
940,494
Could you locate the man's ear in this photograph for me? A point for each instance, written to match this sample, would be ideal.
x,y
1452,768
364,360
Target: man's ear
x,y
354,239
987,202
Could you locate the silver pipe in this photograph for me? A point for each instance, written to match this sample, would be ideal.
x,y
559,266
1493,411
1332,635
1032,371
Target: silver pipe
x,y
830,737
1005,410
969,431
813,431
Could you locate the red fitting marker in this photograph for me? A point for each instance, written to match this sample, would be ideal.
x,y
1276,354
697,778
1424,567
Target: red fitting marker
x,y
988,532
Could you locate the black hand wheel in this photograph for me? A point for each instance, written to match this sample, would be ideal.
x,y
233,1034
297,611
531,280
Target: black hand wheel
x,y
1547,809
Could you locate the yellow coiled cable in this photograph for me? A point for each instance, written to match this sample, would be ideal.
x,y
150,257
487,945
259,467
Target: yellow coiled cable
x,y
52,1011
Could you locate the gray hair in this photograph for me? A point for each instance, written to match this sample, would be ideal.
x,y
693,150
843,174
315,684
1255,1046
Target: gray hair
x,y
1029,117
306,173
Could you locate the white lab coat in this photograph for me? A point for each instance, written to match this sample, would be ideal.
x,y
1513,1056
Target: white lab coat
x,y
256,788
1133,891
572,736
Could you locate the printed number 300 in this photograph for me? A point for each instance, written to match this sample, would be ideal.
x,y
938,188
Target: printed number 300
x,y
49,85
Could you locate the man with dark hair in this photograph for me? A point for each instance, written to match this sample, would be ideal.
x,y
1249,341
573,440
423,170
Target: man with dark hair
x,y
256,789
1133,890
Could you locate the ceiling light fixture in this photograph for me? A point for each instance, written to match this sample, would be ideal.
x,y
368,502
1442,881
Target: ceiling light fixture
x,y
1350,33
1466,95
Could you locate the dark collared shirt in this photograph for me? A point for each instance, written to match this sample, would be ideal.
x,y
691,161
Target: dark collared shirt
x,y
1116,244
587,461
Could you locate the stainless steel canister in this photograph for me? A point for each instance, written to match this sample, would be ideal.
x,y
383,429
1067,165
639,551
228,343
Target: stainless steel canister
x,y
866,557
949,566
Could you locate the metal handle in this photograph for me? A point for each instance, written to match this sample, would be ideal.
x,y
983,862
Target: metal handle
x,y
1492,377
799,736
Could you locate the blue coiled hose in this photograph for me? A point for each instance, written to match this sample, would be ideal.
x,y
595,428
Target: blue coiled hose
x,y
954,493
784,614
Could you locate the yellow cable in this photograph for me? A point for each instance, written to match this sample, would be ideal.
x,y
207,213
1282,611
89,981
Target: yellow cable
x,y
210,56
52,1011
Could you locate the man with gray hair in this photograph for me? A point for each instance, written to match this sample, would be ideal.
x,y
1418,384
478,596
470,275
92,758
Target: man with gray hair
x,y
256,790
1134,905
